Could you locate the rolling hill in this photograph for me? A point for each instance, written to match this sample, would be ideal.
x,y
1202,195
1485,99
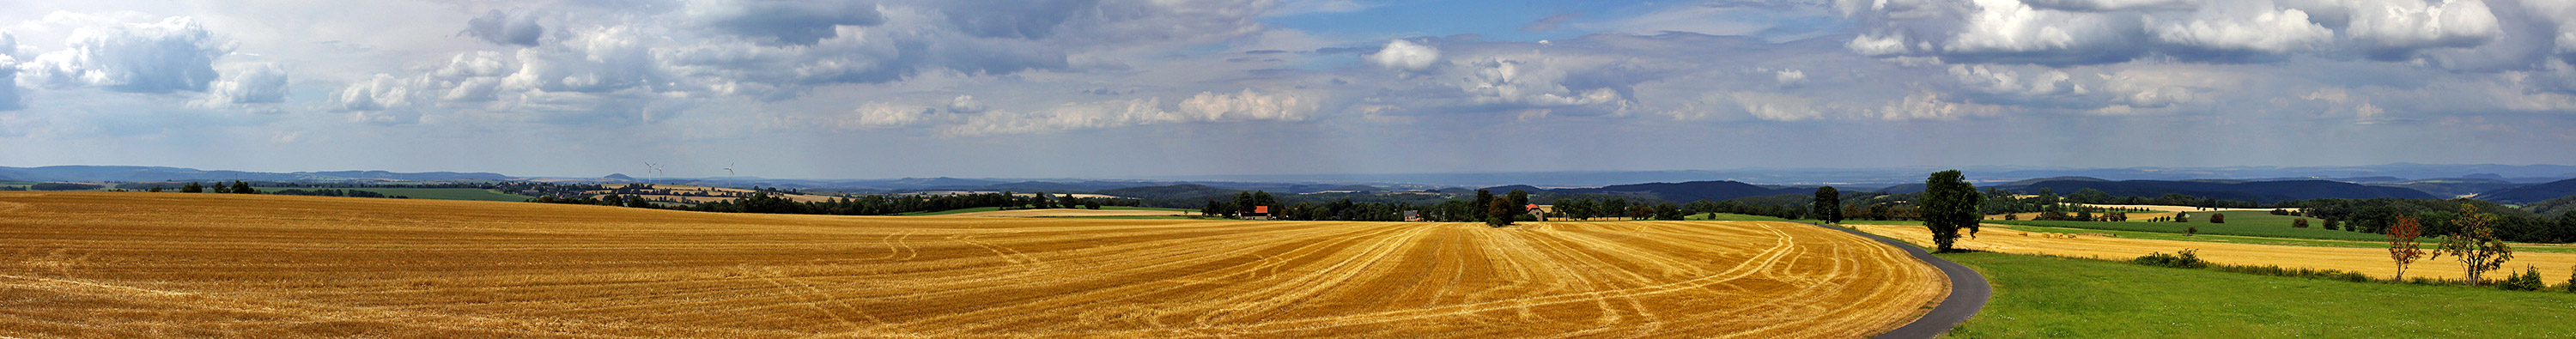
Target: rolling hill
x,y
2532,193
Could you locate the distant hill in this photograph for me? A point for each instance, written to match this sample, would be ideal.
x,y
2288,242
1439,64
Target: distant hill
x,y
1498,190
2453,187
2261,191
1182,191
2532,193
1692,191
147,173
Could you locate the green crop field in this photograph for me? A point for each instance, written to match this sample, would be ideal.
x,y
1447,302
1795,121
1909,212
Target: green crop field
x,y
2071,298
476,194
1730,217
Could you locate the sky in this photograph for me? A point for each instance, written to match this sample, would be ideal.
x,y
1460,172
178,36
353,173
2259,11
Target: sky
x,y
1146,88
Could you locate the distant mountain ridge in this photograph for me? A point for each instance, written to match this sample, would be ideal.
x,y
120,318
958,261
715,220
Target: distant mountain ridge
x,y
2258,191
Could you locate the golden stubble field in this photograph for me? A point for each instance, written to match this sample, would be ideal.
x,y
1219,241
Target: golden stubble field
x,y
97,264
2373,261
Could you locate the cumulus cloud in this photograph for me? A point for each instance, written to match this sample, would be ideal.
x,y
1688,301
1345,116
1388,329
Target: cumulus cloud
x,y
2090,32
965,104
506,28
251,83
1496,80
173,54
2397,29
2267,32
1789,77
1405,55
2112,5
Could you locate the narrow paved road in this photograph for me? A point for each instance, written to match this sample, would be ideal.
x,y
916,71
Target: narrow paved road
x,y
1968,292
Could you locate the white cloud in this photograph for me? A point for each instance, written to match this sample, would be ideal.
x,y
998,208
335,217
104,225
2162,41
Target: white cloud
x,y
1870,44
1930,106
965,104
251,83
1405,55
173,54
1775,106
2113,5
1246,106
1789,77
2274,32
1496,80
2391,29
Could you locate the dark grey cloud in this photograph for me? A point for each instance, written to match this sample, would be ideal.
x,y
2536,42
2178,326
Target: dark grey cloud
x,y
1016,19
792,22
506,28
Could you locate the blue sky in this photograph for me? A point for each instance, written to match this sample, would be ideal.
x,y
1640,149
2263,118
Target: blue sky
x,y
1144,88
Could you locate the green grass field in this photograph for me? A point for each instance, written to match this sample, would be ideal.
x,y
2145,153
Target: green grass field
x,y
2070,298
476,194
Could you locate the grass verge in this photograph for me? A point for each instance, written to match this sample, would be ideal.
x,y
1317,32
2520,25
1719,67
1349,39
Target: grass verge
x,y
2037,296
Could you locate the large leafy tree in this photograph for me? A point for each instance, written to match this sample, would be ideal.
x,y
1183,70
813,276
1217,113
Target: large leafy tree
x,y
1949,204
1829,204
2476,246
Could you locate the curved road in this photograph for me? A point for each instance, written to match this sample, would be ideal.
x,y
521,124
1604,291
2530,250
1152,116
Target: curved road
x,y
1968,292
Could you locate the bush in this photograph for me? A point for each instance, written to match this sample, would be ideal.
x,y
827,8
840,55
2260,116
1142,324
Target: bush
x,y
2299,223
2189,258
2529,280
2217,218
2277,211
2190,231
2330,225
2278,271
2571,280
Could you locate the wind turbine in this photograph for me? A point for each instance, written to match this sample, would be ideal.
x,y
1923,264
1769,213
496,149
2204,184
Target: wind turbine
x,y
729,174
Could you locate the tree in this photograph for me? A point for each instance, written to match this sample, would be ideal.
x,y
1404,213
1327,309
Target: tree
x,y
2216,218
2476,246
2190,231
2083,215
2299,223
2402,244
155,189
1614,207
1949,203
192,187
2182,216
1828,205
2331,225
240,187
1520,203
1498,212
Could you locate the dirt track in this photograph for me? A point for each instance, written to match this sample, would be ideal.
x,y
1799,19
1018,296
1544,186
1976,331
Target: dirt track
x,y
175,264
2373,261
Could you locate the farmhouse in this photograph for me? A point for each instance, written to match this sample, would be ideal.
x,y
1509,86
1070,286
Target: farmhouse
x,y
1539,212
1258,213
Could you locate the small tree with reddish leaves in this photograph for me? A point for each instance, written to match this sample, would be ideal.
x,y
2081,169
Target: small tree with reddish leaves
x,y
2402,244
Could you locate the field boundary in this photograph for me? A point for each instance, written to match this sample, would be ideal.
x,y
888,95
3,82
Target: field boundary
x,y
1968,292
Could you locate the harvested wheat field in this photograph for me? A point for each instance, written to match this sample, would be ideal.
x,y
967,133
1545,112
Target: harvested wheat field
x,y
96,264
2372,261
1068,212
